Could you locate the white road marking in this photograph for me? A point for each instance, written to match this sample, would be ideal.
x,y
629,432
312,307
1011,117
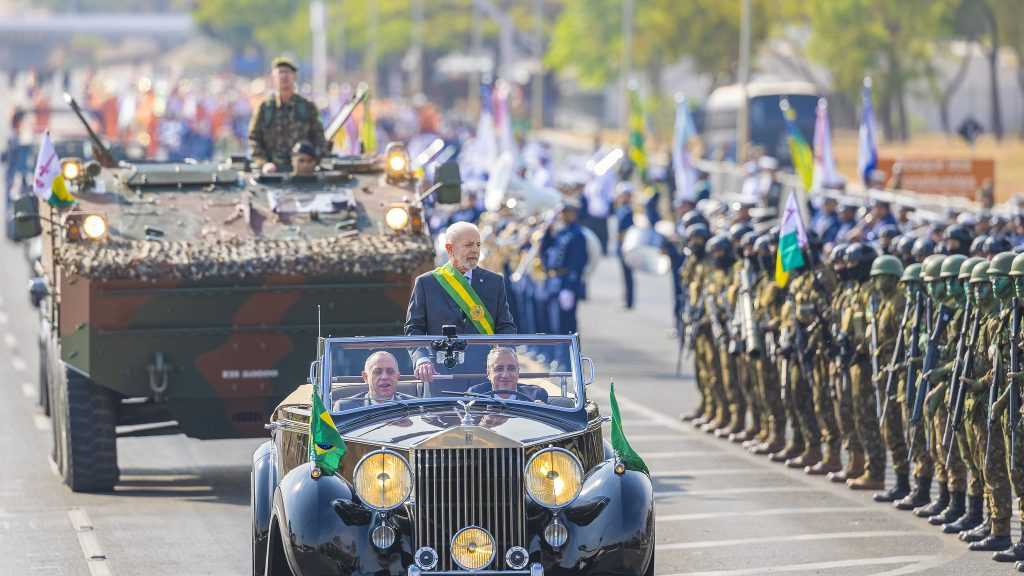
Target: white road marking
x,y
41,422
708,472
18,364
90,545
655,437
792,538
10,340
665,518
810,567
28,390
681,454
732,491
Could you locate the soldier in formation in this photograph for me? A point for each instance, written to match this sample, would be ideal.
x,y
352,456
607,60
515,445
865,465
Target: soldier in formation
x,y
899,346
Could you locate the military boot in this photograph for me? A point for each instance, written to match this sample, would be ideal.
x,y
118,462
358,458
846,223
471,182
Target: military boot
x,y
831,462
1019,566
792,450
997,540
1013,553
854,468
936,506
897,492
970,519
919,496
978,533
866,481
691,416
952,512
733,426
809,457
773,445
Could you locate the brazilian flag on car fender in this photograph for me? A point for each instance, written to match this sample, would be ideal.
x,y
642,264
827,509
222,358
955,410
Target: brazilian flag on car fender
x,y
326,446
629,457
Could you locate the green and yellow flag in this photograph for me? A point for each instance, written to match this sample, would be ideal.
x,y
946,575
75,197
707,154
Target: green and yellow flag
x,y
803,156
637,128
368,130
326,446
459,289
629,457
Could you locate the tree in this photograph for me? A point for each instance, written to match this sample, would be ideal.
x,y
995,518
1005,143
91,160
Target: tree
x,y
1007,13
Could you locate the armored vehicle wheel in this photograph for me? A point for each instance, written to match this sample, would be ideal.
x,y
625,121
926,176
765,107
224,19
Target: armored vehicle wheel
x,y
84,417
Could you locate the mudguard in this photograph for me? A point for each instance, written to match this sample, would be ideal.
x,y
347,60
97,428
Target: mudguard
x,y
262,481
610,525
326,531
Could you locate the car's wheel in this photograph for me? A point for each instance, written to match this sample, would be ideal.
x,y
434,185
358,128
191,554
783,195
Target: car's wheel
x,y
85,439
276,562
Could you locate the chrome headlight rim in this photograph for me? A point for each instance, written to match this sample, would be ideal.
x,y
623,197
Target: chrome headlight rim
x,y
490,537
526,472
355,474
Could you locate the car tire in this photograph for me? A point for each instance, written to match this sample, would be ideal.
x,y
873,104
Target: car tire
x,y
85,438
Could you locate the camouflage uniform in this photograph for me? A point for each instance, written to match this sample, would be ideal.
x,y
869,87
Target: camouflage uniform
x,y
276,127
813,308
890,312
769,297
844,400
800,309
717,283
705,349
865,415
744,381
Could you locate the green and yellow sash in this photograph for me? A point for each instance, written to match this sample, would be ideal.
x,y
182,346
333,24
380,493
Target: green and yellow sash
x,y
456,285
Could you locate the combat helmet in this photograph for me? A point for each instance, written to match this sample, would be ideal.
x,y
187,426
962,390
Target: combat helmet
x,y
931,267
911,273
997,244
902,247
951,266
980,273
858,257
967,266
922,248
697,230
719,242
694,217
1017,266
737,230
1000,264
957,239
886,265
978,245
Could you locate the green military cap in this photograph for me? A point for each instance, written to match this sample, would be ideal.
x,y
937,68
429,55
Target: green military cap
x,y
1000,264
1017,267
968,266
912,273
284,61
886,265
951,266
980,273
931,267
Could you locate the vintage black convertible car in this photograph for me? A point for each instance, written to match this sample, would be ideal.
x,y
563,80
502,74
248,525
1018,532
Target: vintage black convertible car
x,y
475,472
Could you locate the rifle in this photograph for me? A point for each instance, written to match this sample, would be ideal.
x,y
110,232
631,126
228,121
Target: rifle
x,y
959,390
931,358
1014,417
752,339
993,393
711,308
873,305
913,346
898,354
800,345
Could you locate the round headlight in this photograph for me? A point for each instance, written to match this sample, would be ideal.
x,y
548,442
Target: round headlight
x,y
397,163
382,480
554,477
94,227
473,548
397,218
71,170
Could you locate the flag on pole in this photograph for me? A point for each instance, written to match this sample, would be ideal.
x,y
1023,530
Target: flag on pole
x,y
803,158
326,446
792,240
682,164
629,457
48,183
368,131
867,151
637,127
824,164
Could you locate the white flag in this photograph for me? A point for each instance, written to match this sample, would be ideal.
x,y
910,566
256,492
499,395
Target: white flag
x,y
684,172
47,169
824,164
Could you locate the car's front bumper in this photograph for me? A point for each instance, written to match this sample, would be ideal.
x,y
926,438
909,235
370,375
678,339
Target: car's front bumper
x,y
535,569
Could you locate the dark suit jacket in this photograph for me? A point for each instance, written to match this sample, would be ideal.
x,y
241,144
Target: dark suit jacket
x,y
430,307
534,392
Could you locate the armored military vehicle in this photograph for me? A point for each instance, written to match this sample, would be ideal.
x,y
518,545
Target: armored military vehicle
x,y
179,297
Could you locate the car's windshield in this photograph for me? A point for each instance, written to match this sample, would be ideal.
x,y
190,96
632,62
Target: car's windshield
x,y
537,370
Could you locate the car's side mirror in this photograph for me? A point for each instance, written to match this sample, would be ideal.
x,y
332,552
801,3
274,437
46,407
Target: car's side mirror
x,y
588,370
450,179
313,369
26,218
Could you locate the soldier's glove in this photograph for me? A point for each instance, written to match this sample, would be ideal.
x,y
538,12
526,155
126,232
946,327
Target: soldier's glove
x,y
879,378
934,399
973,384
1017,377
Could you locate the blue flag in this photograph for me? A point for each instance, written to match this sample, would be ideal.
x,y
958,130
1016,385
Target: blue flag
x,y
867,151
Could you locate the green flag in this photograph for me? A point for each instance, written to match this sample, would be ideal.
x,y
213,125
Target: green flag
x,y
326,447
637,128
621,446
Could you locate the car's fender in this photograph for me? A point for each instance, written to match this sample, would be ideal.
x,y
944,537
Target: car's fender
x,y
262,481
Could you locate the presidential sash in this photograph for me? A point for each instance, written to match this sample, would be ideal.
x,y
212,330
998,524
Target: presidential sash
x,y
459,289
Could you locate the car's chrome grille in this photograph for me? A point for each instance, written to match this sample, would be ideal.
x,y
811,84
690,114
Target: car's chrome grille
x,y
481,487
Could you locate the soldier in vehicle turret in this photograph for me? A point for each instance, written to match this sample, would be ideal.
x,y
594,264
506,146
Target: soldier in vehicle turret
x,y
282,120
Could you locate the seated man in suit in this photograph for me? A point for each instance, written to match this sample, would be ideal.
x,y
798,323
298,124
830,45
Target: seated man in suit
x,y
503,376
380,372
460,294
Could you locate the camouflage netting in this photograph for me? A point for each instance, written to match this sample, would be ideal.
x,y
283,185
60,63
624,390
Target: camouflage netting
x,y
238,259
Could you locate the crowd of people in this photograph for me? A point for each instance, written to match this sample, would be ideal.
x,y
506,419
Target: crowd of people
x,y
893,341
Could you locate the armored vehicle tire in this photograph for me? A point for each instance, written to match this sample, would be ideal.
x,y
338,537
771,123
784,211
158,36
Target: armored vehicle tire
x,y
84,417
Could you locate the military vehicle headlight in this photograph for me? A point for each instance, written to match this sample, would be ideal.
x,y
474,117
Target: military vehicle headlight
x,y
71,169
397,217
473,548
554,477
382,480
396,161
94,227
